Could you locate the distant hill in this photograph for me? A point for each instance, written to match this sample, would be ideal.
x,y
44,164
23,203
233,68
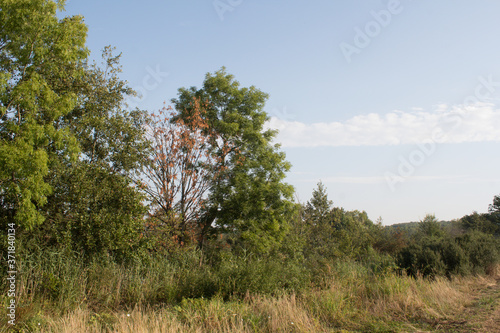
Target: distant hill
x,y
411,227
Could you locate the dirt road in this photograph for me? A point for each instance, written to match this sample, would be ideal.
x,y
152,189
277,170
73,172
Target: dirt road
x,y
482,315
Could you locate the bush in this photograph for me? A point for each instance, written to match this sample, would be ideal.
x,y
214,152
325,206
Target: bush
x,y
454,258
481,249
422,259
474,252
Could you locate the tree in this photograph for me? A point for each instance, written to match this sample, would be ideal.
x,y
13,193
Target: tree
x,y
319,218
494,214
495,206
96,208
355,233
40,57
93,211
180,169
248,202
429,227
108,133
318,208
390,240
334,232
479,222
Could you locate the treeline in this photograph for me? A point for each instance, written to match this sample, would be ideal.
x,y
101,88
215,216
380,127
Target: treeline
x,y
190,199
466,246
428,248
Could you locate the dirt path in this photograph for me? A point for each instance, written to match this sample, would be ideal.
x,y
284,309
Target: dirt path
x,y
482,315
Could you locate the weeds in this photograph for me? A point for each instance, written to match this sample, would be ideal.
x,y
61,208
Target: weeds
x,y
233,295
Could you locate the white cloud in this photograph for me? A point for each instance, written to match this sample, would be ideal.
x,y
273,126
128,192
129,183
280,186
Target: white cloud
x,y
354,180
476,123
367,180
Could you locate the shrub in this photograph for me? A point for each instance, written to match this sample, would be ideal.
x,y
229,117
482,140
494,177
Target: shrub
x,y
481,249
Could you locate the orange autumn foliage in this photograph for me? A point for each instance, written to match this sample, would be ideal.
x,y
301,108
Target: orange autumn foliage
x,y
181,169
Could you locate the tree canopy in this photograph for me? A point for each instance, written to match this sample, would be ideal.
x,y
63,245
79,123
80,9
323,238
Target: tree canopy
x,y
41,61
248,202
69,149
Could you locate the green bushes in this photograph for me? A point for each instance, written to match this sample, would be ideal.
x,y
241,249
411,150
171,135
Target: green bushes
x,y
421,259
471,253
482,250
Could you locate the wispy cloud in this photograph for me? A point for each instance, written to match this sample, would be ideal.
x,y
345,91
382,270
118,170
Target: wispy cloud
x,y
368,180
456,124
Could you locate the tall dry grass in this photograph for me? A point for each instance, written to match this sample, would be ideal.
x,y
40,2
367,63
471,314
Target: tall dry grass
x,y
351,298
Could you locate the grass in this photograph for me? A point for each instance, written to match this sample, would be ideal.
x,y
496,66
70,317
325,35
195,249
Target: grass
x,y
164,296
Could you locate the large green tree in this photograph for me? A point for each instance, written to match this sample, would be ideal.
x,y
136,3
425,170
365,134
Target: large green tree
x,y
249,203
40,58
96,207
69,149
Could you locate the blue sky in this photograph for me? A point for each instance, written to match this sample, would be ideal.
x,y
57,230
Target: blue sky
x,y
394,105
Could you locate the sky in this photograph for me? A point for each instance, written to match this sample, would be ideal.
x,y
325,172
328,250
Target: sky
x,y
393,104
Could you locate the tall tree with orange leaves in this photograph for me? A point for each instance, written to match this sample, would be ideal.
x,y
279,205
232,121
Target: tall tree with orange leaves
x,y
181,169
